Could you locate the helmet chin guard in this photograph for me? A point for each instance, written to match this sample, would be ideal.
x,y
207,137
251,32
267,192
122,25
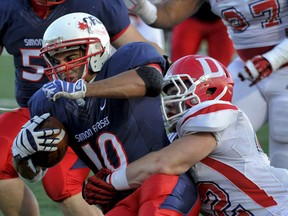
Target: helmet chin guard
x,y
76,31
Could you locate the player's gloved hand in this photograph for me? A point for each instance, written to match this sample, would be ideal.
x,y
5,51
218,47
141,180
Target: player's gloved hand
x,y
256,69
59,88
30,139
98,192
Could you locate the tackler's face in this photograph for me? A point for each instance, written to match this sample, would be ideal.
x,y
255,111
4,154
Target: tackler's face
x,y
174,107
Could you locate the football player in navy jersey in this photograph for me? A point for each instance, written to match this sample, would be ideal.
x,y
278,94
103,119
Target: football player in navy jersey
x,y
110,107
22,25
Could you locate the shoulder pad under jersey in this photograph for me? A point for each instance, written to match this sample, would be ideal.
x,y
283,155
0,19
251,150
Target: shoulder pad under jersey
x,y
209,116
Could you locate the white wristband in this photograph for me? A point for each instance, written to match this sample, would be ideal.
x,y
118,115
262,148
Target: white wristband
x,y
278,56
118,179
148,13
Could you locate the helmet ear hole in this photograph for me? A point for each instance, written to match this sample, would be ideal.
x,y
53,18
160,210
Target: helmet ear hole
x,y
211,91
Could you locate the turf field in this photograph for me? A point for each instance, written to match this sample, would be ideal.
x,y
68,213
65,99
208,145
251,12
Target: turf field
x,y
47,207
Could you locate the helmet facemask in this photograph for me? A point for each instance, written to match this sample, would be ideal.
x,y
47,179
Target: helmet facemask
x,y
182,100
63,71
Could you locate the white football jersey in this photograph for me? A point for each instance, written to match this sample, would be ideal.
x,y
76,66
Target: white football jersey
x,y
253,23
236,178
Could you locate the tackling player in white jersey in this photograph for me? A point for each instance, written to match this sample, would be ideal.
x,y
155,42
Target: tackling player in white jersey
x,y
216,142
259,31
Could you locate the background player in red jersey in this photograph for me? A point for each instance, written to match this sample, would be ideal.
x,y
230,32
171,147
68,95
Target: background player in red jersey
x,y
258,30
214,140
202,28
22,25
118,118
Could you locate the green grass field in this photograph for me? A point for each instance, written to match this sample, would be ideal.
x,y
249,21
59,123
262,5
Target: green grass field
x,y
47,207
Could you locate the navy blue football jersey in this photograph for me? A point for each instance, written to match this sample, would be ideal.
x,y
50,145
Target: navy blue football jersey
x,y
21,32
108,132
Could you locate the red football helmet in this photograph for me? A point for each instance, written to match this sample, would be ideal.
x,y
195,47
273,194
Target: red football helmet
x,y
48,3
197,79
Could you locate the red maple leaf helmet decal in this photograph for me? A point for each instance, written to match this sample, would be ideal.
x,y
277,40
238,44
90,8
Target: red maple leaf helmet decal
x,y
82,25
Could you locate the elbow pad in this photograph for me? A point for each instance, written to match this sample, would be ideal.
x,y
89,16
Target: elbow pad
x,y
153,80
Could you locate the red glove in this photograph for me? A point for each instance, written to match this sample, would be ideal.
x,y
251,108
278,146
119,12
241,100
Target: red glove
x,y
98,192
256,69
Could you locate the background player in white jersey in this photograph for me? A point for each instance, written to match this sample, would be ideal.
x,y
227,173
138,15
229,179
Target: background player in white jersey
x,y
259,31
216,140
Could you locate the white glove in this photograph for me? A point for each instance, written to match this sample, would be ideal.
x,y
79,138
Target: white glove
x,y
59,88
143,8
29,140
255,70
262,66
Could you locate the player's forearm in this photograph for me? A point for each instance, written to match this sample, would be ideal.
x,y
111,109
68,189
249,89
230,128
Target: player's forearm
x,y
278,56
142,81
172,12
124,85
171,160
175,159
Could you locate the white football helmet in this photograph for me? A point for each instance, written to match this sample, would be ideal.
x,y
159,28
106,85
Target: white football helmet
x,y
197,79
76,31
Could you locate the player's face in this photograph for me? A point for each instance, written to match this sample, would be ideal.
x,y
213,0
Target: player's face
x,y
72,67
173,108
